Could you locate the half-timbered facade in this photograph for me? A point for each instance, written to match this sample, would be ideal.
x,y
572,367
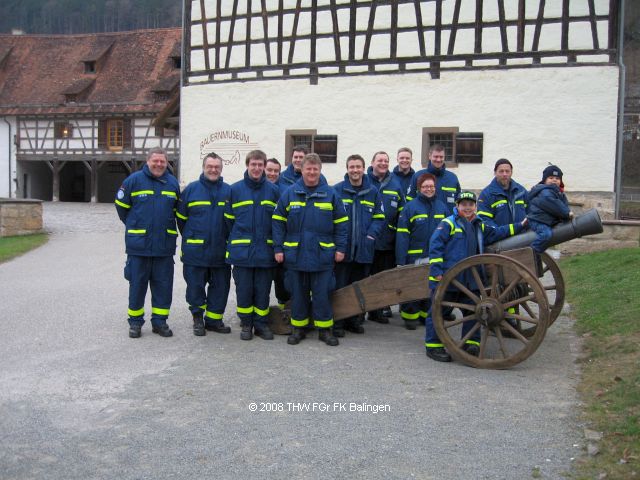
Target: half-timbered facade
x,y
535,81
80,111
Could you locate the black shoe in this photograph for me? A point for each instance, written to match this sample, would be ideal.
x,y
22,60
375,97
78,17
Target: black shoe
x,y
325,335
386,312
162,330
198,325
264,333
246,333
338,332
296,336
135,331
218,328
438,354
377,317
354,328
471,349
410,324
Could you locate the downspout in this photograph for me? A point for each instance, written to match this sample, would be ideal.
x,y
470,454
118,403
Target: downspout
x,y
9,157
183,72
621,97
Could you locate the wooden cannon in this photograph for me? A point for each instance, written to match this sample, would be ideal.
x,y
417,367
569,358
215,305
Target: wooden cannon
x,y
512,308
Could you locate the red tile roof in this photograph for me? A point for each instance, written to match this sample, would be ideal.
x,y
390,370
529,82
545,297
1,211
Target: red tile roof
x,y
37,70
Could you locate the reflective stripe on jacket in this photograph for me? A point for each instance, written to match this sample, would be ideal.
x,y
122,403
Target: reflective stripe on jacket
x,y
309,226
202,222
366,218
447,185
456,239
393,201
146,206
417,222
249,211
497,206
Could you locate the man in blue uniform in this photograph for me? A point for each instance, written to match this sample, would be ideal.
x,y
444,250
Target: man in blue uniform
x,y
293,172
309,235
393,201
504,200
447,184
250,247
204,237
363,203
145,203
403,171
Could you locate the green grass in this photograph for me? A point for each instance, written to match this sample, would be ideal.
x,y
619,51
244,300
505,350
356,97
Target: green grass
x,y
604,292
11,247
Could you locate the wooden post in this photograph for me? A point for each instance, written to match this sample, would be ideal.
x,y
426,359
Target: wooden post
x,y
94,180
56,180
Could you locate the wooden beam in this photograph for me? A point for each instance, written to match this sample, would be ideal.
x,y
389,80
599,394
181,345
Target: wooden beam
x,y
352,29
247,37
205,38
280,30
420,27
478,28
218,28
538,29
594,25
613,29
503,31
454,27
265,28
393,41
313,71
367,39
336,30
231,29
521,25
294,31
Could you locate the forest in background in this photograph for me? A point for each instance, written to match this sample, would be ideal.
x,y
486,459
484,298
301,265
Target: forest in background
x,y
87,16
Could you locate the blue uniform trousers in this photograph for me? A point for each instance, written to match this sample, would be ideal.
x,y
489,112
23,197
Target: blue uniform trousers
x,y
431,339
153,272
253,289
543,234
303,286
282,294
346,274
210,299
416,311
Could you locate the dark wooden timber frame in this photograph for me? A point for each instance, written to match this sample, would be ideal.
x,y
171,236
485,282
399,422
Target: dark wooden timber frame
x,y
357,61
90,154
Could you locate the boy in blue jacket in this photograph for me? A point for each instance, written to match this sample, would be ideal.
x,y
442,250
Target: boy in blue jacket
x,y
548,206
459,236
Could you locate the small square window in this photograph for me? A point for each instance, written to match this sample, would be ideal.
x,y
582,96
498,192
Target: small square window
x,y
326,146
62,130
89,67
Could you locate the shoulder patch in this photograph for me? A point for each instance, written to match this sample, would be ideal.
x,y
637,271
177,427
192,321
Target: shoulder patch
x,y
120,193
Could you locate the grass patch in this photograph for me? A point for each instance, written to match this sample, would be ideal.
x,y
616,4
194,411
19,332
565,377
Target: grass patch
x,y
11,247
603,292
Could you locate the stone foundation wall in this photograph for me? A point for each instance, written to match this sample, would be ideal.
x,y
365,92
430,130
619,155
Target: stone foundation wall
x,y
20,217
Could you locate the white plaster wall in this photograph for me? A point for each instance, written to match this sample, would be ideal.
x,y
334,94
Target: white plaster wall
x,y
535,116
7,157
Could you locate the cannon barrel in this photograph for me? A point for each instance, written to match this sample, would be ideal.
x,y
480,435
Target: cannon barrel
x,y
588,223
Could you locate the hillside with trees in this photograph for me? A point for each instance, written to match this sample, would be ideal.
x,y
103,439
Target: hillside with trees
x,y
87,16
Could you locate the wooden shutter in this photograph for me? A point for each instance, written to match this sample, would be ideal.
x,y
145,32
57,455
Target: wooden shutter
x,y
102,134
126,133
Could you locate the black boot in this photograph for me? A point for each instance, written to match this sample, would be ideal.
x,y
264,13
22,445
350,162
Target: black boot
x,y
198,325
325,335
246,333
296,336
162,330
218,327
263,331
135,331
411,324
438,354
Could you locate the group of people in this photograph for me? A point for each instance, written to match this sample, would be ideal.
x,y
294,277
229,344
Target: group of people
x,y
293,230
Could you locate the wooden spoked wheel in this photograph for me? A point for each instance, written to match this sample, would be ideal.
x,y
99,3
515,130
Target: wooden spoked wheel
x,y
497,300
554,286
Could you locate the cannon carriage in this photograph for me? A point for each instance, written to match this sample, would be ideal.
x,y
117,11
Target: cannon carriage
x,y
519,296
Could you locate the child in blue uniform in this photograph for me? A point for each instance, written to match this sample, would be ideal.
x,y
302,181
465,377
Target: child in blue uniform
x,y
457,237
548,206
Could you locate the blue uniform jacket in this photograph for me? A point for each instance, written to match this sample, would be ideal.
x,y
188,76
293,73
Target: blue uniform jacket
x,y
288,178
366,218
417,222
202,222
447,185
250,210
548,205
497,206
393,202
309,226
455,239
146,206
404,178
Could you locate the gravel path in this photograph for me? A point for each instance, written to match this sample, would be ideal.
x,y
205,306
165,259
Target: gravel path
x,y
80,400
